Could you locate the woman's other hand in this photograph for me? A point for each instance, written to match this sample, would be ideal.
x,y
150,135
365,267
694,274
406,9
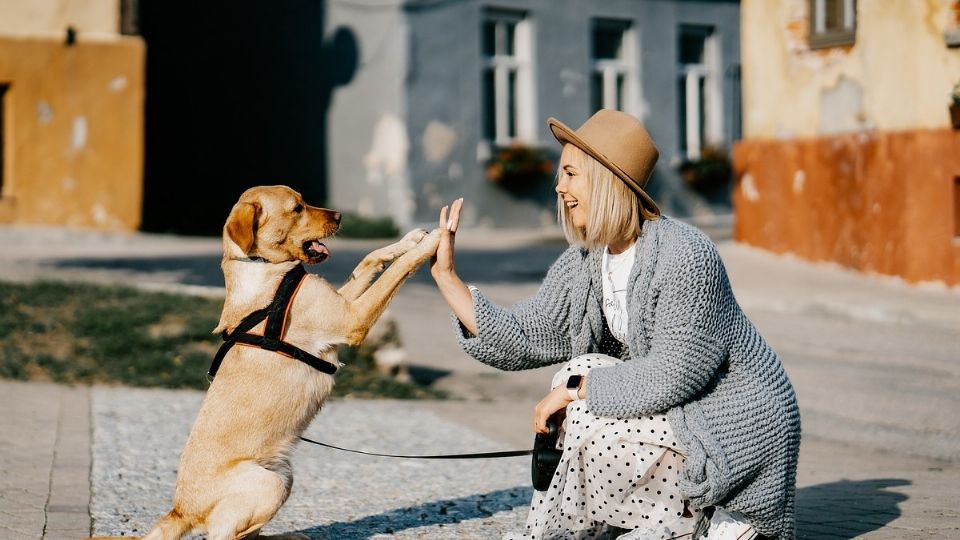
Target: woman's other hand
x,y
556,400
442,268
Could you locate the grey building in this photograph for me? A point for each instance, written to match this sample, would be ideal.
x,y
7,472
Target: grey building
x,y
441,85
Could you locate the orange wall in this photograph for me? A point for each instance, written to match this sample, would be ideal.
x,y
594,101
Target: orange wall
x,y
74,132
876,201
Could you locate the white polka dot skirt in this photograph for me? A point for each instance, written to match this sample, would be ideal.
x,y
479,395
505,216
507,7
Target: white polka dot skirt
x,y
616,478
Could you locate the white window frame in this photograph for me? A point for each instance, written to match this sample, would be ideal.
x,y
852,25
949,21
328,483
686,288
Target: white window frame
x,y
626,65
821,37
521,64
709,71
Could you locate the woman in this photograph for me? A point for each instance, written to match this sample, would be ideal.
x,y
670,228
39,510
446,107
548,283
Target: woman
x,y
680,419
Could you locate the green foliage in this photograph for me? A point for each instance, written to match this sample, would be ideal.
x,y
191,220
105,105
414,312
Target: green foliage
x,y
709,174
520,168
356,226
78,333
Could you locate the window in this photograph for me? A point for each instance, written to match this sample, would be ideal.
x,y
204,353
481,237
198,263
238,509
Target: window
x,y
507,80
3,132
832,23
698,90
613,81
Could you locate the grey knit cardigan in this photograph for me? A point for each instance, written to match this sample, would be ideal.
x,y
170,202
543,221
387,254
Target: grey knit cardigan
x,y
691,353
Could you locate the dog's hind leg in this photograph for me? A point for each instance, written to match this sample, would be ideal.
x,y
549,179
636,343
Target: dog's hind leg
x,y
253,495
375,261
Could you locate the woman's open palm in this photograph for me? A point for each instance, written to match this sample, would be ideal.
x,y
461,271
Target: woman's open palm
x,y
442,263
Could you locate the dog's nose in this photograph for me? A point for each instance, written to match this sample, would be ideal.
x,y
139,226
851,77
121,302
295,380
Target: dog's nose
x,y
336,217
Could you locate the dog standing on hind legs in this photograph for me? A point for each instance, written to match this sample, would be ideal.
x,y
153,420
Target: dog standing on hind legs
x,y
235,470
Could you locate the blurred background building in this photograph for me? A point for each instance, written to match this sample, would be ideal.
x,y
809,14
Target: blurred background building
x,y
376,107
71,115
126,114
451,99
848,153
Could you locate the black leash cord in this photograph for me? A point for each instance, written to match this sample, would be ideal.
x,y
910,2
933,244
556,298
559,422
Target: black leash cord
x,y
481,455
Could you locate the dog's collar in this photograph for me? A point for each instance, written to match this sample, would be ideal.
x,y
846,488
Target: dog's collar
x,y
272,339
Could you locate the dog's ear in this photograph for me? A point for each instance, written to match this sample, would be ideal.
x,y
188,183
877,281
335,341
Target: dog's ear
x,y
241,226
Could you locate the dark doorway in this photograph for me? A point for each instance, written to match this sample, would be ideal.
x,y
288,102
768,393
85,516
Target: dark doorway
x,y
3,131
237,95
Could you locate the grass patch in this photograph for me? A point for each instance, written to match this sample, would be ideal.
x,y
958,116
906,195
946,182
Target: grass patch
x,y
79,333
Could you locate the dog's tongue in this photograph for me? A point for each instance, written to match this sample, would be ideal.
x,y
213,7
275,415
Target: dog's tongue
x,y
320,248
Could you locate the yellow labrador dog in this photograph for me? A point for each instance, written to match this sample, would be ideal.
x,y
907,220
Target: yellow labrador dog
x,y
235,471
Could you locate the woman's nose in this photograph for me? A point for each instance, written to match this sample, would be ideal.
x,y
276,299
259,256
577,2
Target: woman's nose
x,y
561,187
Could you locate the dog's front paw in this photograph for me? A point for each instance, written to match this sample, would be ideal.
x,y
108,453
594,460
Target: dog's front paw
x,y
430,242
414,236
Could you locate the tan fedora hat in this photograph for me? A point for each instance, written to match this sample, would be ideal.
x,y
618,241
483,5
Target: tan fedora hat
x,y
618,141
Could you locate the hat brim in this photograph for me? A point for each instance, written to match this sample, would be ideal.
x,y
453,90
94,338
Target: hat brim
x,y
565,135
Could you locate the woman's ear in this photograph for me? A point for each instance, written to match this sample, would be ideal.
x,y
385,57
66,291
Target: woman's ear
x,y
241,226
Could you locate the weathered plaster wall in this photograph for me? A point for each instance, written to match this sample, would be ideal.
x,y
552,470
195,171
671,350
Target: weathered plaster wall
x,y
368,136
74,137
873,201
897,76
48,18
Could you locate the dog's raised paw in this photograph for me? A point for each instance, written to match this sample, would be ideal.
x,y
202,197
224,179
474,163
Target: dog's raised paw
x,y
414,236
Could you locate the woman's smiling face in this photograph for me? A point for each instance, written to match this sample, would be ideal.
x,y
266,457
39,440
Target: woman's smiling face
x,y
574,189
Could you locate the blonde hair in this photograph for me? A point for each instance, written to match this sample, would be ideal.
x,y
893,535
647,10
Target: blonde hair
x,y
615,210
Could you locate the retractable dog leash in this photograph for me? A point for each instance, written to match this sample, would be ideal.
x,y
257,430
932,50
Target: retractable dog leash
x,y
478,455
546,457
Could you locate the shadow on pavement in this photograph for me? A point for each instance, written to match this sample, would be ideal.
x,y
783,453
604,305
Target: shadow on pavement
x,y
428,514
521,265
189,269
847,508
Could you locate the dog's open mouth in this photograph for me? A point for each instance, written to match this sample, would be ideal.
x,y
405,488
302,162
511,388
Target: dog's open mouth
x,y
316,252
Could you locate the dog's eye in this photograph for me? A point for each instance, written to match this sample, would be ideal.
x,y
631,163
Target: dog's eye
x,y
298,208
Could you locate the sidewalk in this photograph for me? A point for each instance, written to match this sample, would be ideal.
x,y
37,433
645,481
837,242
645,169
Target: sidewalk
x,y
874,362
45,459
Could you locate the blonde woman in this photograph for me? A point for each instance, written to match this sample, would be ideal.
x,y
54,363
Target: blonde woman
x,y
679,418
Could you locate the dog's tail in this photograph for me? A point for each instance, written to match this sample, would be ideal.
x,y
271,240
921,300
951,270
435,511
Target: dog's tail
x,y
170,527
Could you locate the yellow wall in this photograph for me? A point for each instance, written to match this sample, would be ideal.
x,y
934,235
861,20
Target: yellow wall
x,y
74,132
94,18
898,75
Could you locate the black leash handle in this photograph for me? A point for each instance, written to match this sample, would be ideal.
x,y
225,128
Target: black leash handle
x,y
481,455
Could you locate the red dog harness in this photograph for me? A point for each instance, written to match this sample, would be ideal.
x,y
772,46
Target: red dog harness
x,y
272,339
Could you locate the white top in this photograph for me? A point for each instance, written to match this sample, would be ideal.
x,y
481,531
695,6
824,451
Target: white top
x,y
616,271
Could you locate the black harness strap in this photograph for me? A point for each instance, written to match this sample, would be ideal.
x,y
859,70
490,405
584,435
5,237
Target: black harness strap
x,y
272,338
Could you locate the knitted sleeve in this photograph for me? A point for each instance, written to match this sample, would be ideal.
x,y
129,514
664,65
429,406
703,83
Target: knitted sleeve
x,y
531,334
687,345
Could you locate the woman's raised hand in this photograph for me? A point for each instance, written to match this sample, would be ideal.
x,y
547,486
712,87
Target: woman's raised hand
x,y
442,264
454,291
